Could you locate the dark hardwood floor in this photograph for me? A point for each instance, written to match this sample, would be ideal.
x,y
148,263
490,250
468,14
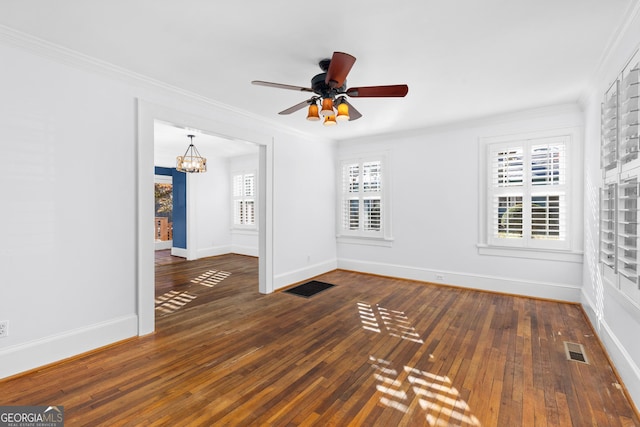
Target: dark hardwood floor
x,y
164,256
371,351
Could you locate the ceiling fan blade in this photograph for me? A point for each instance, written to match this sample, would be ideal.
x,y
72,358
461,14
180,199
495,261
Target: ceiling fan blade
x,y
282,86
339,67
378,91
353,113
296,107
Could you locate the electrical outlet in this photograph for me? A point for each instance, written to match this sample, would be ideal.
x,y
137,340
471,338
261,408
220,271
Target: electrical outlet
x,y
4,328
440,277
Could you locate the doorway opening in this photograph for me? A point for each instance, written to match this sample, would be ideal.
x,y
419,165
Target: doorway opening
x,y
203,239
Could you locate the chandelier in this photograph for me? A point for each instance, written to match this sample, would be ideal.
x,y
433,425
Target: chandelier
x,y
192,161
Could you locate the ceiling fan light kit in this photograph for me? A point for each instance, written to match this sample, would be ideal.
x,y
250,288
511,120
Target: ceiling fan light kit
x,y
329,121
327,107
330,88
313,113
343,110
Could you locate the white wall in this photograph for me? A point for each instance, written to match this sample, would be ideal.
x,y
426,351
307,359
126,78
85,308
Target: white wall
x,y
434,181
68,215
209,197
305,226
68,138
615,317
243,241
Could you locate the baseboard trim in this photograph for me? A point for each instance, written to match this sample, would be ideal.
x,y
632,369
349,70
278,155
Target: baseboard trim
x,y
217,250
213,251
295,276
245,250
179,252
24,357
165,244
625,366
545,290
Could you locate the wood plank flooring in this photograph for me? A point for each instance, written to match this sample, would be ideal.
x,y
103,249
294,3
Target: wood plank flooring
x,y
370,351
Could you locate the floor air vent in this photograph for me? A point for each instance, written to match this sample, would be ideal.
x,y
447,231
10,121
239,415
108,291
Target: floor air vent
x,y
575,352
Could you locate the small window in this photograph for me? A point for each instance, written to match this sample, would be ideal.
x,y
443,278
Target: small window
x,y
362,211
244,199
527,206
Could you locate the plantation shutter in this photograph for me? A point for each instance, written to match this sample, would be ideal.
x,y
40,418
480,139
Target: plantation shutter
x,y
627,233
548,193
249,201
238,204
608,196
507,179
371,186
362,197
528,193
244,199
609,129
351,196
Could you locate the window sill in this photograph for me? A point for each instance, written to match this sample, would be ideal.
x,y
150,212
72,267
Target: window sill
x,y
386,242
544,254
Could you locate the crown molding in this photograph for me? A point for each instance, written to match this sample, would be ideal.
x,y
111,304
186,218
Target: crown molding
x,y
61,54
630,15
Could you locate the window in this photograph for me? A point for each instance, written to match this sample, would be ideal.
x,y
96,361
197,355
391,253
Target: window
x,y
627,236
608,225
620,165
244,199
609,129
526,202
362,204
528,193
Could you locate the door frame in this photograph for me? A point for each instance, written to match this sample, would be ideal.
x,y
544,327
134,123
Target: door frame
x,y
148,113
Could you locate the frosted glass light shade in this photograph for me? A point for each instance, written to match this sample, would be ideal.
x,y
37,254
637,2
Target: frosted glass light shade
x,y
343,112
330,120
313,113
327,107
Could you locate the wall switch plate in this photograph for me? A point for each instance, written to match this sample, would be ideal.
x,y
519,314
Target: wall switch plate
x,y
4,328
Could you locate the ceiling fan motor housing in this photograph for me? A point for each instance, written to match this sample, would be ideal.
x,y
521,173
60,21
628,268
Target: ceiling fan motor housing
x,y
323,89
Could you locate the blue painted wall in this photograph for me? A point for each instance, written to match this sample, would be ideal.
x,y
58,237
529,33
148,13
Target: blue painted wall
x,y
179,205
164,171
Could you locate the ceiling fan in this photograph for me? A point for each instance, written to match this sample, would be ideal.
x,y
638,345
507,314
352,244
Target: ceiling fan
x,y
330,87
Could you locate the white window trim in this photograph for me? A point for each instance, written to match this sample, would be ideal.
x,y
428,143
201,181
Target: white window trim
x,y
573,251
249,228
384,237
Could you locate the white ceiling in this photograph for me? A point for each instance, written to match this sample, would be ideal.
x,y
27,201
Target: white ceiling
x,y
462,59
172,141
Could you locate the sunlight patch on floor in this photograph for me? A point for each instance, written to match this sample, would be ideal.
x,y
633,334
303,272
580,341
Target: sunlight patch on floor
x,y
368,317
173,300
211,278
436,396
395,322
